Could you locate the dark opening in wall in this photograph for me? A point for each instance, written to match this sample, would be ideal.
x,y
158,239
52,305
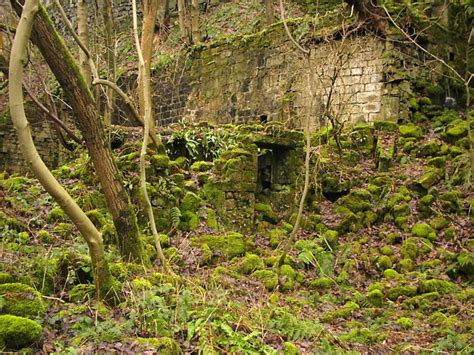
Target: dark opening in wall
x,y
263,118
272,168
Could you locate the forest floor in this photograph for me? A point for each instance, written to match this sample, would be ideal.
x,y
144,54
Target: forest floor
x,y
383,264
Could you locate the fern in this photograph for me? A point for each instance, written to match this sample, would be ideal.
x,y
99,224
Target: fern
x,y
294,328
175,216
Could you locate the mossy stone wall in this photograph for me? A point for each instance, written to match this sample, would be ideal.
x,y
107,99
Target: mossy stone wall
x,y
264,77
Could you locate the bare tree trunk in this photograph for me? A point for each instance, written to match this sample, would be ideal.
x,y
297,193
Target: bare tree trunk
x,y
91,126
150,10
109,27
102,277
269,12
83,32
145,88
196,33
182,13
163,16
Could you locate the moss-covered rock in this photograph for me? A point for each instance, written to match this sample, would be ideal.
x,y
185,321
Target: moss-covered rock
x,y
387,126
435,285
202,166
410,131
160,161
405,323
322,283
375,297
21,300
249,264
455,130
430,177
384,262
265,213
268,277
424,230
429,149
398,291
82,292
343,312
362,336
18,332
357,200
287,277
223,247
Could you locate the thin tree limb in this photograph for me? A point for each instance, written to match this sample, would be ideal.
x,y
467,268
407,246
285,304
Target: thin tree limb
x,y
282,12
145,81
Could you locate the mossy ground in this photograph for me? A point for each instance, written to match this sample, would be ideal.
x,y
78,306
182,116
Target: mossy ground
x,y
383,263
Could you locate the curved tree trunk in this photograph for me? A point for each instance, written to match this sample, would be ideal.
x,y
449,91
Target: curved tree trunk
x,y
102,277
80,98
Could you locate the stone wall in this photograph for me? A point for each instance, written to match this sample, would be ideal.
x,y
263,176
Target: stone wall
x,y
44,136
264,77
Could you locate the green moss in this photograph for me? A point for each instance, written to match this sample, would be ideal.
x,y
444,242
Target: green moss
x,y
391,274
97,218
5,278
191,203
331,237
430,177
82,292
357,200
64,230
21,300
435,285
387,126
268,277
18,332
189,221
141,284
46,237
406,291
429,149
424,230
163,345
265,213
384,262
343,312
405,323
202,166
287,276
322,283
410,131
160,161
421,301
290,349
406,265
451,201
56,215
375,297
362,336
249,264
439,222
223,247
455,130
386,250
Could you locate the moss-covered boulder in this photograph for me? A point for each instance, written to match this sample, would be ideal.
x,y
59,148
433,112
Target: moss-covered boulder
x,y
265,212
357,200
407,291
424,230
268,277
410,131
455,130
430,177
249,264
18,332
202,166
160,161
21,300
436,285
375,297
223,247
